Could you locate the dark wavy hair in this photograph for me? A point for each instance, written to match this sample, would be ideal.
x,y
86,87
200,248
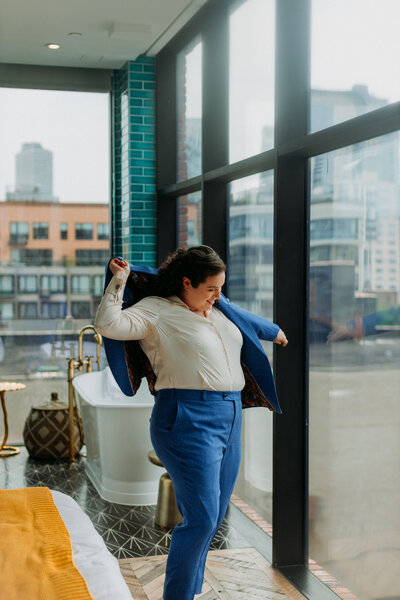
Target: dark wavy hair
x,y
196,263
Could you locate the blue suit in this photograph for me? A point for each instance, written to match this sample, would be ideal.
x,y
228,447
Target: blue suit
x,y
197,435
260,386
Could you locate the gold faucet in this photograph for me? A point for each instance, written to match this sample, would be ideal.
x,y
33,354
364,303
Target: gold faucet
x,y
99,341
78,364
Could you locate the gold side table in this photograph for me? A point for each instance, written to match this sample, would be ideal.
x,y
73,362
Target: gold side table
x,y
8,386
167,513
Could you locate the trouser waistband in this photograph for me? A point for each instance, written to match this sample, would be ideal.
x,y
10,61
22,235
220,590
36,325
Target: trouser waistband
x,y
203,395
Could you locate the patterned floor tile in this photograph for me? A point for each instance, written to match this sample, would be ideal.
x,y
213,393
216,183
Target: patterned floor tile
x,y
128,531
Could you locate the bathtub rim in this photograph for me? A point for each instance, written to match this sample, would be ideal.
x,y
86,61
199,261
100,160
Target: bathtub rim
x,y
78,382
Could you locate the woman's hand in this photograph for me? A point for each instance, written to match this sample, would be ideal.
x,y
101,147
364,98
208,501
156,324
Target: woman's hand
x,y
281,338
119,268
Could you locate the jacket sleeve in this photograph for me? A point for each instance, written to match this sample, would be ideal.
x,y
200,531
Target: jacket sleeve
x,y
133,323
265,330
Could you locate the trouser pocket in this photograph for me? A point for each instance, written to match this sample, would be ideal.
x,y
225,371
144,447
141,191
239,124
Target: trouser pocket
x,y
166,411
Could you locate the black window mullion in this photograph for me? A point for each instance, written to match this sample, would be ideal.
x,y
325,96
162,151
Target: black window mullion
x,y
290,487
215,126
166,152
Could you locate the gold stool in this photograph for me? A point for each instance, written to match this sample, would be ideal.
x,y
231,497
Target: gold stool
x,y
167,513
7,386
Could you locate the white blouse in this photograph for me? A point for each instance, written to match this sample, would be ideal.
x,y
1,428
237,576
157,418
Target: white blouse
x,y
185,349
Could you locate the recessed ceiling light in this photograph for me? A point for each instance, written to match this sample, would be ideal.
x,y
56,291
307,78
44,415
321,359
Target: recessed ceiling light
x,y
75,34
53,46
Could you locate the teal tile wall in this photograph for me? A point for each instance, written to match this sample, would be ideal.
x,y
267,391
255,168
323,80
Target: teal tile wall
x,y
134,165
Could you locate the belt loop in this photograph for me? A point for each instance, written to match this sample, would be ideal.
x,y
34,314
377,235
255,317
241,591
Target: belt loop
x,y
203,395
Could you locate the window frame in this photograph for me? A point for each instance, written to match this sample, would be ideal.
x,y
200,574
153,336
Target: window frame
x,y
294,146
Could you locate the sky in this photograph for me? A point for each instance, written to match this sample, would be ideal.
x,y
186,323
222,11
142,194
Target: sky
x,y
75,126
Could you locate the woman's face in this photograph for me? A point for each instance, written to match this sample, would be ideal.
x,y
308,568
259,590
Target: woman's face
x,y
202,297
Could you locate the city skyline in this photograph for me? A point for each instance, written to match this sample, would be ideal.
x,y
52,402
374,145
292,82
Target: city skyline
x,y
74,126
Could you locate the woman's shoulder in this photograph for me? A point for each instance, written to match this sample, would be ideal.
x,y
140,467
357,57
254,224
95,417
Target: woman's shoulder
x,y
151,301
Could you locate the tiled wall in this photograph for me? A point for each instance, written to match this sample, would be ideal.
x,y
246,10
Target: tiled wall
x,y
134,178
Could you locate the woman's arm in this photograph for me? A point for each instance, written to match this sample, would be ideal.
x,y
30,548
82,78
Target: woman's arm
x,y
265,330
133,323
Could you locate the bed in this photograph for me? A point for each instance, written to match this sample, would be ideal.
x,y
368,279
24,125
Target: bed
x,y
32,516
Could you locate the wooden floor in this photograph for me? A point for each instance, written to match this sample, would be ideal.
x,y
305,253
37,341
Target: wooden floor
x,y
235,574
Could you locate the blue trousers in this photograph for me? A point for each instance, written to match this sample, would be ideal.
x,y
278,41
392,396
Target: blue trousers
x,y
196,435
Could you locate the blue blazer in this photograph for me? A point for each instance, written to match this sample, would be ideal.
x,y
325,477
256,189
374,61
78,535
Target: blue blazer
x,y
128,367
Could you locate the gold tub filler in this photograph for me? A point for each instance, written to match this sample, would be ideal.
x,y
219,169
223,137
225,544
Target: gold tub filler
x,y
78,364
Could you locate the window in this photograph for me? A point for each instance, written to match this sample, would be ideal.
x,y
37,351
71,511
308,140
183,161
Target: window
x,y
53,310
189,220
32,257
40,231
6,310
98,285
251,287
80,310
54,172
27,310
349,79
80,284
333,229
189,110
92,257
103,231
63,231
83,231
353,357
19,233
27,284
6,284
251,78
52,284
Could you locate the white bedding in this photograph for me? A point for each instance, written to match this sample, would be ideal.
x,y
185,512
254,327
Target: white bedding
x,y
95,563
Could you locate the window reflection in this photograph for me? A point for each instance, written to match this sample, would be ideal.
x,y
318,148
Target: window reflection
x,y
250,271
189,110
190,224
251,78
353,66
354,365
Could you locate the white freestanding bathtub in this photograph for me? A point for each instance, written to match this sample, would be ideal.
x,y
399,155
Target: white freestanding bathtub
x,y
117,439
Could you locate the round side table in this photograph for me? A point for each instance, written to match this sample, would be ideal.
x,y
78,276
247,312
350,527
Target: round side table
x,y
8,386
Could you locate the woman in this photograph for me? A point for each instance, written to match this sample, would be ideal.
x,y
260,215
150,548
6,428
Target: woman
x,y
195,352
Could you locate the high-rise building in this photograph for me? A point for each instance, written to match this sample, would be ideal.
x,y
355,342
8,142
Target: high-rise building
x,y
34,174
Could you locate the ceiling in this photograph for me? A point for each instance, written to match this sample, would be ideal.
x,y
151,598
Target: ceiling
x,y
112,31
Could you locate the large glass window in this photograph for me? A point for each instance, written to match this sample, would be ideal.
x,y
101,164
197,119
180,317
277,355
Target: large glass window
x,y
6,284
103,231
251,286
40,231
251,78
52,284
354,378
353,60
27,310
19,232
27,284
83,231
92,257
53,310
63,231
190,220
80,284
54,173
189,110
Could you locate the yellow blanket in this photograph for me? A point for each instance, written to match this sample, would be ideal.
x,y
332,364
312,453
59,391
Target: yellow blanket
x,y
35,549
